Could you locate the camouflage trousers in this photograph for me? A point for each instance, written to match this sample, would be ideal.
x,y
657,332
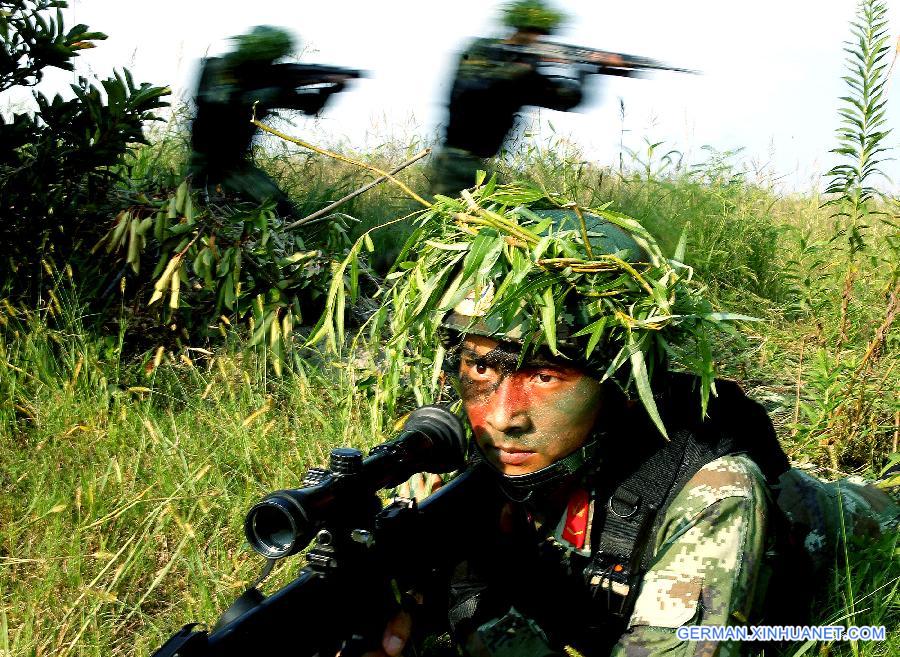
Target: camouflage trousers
x,y
826,511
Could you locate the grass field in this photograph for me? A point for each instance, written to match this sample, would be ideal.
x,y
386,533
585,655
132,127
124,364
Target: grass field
x,y
124,475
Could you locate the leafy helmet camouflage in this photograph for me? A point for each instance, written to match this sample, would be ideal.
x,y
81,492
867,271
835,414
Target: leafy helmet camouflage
x,y
527,266
532,15
262,43
589,285
472,315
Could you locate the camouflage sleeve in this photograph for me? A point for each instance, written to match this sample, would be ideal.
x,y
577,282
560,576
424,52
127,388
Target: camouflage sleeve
x,y
708,557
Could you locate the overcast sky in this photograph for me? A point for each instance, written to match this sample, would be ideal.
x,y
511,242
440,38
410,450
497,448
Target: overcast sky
x,y
770,82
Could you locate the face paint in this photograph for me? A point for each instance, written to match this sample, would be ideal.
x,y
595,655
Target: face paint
x,y
528,418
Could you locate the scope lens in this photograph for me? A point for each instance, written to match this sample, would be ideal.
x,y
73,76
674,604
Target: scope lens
x,y
271,530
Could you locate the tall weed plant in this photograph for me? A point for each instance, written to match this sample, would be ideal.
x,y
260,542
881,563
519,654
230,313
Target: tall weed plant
x,y
852,403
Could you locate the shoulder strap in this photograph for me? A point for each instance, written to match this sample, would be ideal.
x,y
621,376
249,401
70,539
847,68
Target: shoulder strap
x,y
632,514
623,545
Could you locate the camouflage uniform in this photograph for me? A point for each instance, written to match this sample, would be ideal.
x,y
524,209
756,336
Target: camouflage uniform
x,y
820,513
491,85
713,560
708,559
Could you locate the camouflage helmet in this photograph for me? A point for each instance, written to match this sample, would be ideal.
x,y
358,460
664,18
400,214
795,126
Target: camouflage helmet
x,y
586,284
526,266
472,315
261,44
532,16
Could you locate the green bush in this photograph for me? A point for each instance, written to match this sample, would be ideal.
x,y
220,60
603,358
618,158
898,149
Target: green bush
x,y
58,164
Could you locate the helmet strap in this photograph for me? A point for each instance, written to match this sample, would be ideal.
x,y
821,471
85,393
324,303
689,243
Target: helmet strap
x,y
535,485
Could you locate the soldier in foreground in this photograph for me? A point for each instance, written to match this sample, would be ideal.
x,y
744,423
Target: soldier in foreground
x,y
232,88
613,536
607,501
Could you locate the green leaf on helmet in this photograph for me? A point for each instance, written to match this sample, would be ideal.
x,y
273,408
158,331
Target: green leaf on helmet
x,y
486,244
595,330
642,381
548,318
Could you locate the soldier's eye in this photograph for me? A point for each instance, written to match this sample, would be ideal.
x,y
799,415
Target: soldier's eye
x,y
545,378
481,368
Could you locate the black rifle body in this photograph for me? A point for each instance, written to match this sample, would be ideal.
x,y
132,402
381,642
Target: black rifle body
x,y
322,607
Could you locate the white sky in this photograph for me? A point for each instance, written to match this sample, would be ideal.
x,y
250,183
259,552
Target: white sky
x,y
770,83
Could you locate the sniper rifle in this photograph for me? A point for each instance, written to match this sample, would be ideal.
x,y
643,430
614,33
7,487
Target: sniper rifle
x,y
363,555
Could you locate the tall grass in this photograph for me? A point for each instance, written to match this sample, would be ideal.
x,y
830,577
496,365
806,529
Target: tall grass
x,y
123,484
124,474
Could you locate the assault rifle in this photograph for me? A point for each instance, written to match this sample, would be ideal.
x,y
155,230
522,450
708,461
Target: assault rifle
x,y
304,75
590,60
304,87
363,555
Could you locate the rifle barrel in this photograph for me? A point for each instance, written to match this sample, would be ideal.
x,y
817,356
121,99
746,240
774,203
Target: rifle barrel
x,y
604,62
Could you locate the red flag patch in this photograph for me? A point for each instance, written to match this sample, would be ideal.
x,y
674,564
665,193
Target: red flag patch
x,y
575,529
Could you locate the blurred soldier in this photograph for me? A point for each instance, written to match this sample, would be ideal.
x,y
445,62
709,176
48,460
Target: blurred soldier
x,y
492,84
230,87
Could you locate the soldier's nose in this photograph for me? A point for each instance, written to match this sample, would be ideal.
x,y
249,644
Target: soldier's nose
x,y
507,408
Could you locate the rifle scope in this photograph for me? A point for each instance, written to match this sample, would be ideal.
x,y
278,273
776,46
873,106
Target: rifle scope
x,y
284,522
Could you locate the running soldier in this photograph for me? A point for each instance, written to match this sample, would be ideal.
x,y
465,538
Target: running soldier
x,y
238,85
492,84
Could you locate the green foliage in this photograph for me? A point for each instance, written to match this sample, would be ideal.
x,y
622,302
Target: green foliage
x,y
59,163
33,40
538,275
732,227
534,15
862,130
848,410
123,483
215,267
261,44
806,276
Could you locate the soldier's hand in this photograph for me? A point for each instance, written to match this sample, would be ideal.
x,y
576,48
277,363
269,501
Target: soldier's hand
x,y
420,485
396,634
